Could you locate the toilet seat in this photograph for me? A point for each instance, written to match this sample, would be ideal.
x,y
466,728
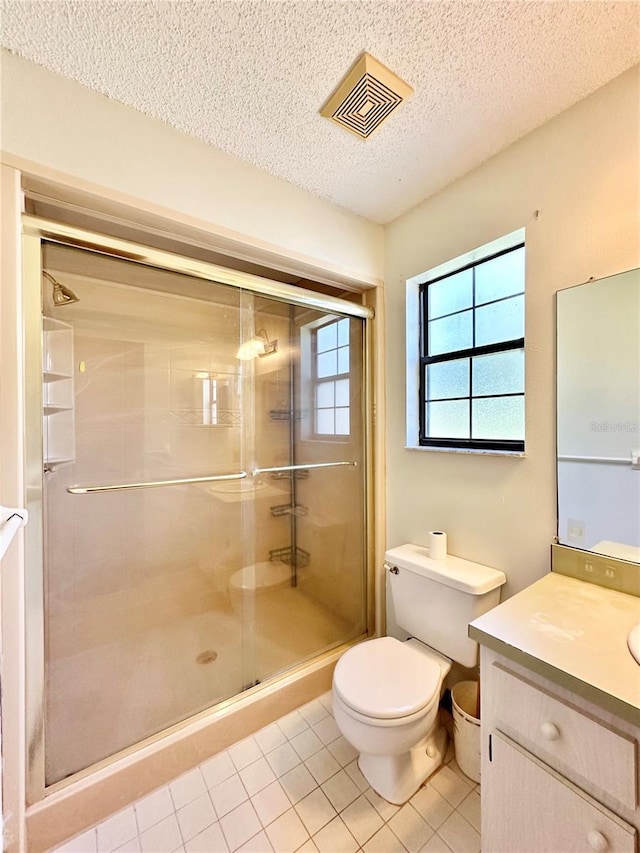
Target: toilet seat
x,y
405,681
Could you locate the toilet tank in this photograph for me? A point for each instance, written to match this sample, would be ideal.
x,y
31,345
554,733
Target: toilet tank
x,y
434,600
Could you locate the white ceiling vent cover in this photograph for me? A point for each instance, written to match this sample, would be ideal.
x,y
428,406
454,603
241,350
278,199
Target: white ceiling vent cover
x,y
366,97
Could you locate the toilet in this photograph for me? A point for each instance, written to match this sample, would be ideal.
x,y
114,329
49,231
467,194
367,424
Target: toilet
x,y
386,692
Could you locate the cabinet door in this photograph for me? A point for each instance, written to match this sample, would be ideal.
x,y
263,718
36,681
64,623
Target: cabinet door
x,y
528,808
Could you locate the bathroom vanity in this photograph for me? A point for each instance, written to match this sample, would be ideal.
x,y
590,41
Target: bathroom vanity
x,y
560,720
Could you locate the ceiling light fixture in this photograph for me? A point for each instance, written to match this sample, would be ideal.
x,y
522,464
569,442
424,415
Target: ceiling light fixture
x,y
366,97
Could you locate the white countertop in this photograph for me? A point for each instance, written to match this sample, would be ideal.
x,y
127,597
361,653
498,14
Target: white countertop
x,y
574,628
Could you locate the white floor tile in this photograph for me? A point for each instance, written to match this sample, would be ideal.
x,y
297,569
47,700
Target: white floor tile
x,y
432,806
313,712
361,819
287,833
384,841
153,808
335,838
240,825
195,816
327,700
410,828
469,808
298,783
315,811
322,766
163,837
228,795
450,785
342,751
436,845
327,730
385,810
132,846
244,753
187,788
211,840
308,847
257,776
270,803
258,844
460,835
217,769
117,829
456,769
306,743
341,790
292,724
282,759
354,771
270,737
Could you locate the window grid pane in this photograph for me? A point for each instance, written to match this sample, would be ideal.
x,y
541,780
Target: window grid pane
x,y
332,412
480,397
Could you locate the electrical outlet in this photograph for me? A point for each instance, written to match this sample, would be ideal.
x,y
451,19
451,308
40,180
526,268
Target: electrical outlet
x,y
575,530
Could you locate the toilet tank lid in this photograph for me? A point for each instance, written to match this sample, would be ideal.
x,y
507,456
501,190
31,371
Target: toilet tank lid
x,y
472,578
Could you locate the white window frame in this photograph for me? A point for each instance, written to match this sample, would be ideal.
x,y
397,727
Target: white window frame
x,y
412,376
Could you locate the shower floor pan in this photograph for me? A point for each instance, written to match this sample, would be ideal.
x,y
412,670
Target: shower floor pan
x,y
115,695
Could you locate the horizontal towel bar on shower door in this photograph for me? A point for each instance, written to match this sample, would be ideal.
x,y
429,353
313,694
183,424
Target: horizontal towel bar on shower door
x,y
121,487
302,467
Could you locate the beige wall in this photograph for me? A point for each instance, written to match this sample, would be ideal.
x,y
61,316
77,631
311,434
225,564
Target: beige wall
x,y
58,123
581,172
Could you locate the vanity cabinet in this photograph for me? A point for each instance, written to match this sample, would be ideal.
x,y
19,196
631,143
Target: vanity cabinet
x,y
559,774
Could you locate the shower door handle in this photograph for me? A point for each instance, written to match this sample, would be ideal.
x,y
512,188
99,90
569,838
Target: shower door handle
x,y
154,484
283,468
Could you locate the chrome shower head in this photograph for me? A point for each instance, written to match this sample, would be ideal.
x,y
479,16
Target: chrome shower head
x,y
61,295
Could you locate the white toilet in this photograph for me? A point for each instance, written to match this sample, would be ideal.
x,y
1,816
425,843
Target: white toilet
x,y
386,692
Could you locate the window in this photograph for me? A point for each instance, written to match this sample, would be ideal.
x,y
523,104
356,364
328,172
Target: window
x,y
331,379
471,387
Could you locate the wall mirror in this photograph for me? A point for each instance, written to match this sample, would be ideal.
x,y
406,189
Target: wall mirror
x,y
598,388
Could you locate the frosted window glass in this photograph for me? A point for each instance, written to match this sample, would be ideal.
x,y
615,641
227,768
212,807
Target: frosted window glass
x,y
449,419
343,332
343,360
453,293
342,392
325,422
503,321
500,373
327,363
448,379
327,337
325,398
500,277
451,333
342,421
498,418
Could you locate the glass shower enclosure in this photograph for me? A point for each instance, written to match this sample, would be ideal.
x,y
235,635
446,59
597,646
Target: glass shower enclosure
x,y
202,491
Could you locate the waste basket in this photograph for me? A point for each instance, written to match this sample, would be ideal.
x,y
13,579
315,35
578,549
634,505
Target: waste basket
x,y
466,728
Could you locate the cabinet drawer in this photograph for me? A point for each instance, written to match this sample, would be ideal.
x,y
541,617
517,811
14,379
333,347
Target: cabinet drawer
x,y
566,737
548,814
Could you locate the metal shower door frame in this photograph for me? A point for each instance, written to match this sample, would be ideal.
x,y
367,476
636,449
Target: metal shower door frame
x,y
35,232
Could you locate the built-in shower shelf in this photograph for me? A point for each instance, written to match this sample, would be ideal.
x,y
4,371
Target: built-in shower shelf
x,y
288,509
300,474
57,392
298,558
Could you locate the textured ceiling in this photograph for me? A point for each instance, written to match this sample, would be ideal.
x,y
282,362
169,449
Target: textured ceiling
x,y
249,77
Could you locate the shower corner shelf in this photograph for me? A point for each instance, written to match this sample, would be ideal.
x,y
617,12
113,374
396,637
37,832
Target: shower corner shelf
x,y
57,392
298,557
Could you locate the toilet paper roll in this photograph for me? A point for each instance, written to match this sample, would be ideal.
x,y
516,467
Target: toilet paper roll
x,y
437,542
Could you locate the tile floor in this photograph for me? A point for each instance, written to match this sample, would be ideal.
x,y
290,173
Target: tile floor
x,y
292,786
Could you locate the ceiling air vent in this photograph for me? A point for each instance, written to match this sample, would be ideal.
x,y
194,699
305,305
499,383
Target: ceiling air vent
x,y
366,97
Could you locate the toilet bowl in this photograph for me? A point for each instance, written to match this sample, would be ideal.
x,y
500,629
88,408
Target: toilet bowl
x,y
392,719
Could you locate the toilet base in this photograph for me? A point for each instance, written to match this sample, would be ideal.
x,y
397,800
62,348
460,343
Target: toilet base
x,y
396,778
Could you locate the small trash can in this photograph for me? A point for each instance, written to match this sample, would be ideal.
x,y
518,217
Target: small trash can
x,y
466,728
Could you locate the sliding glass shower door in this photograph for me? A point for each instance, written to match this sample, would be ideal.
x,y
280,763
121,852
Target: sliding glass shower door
x,y
203,497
